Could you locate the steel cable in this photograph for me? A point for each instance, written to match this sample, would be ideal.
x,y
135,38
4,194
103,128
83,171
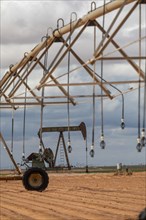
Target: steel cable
x,y
24,125
68,92
41,146
139,146
143,135
93,102
102,142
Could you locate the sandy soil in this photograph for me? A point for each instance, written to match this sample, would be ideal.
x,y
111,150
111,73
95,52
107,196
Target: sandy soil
x,y
75,197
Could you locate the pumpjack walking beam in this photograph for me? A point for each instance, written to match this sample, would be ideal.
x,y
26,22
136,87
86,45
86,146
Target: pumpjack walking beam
x,y
81,127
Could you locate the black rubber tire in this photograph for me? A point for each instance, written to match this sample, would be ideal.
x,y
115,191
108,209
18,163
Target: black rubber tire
x,y
35,179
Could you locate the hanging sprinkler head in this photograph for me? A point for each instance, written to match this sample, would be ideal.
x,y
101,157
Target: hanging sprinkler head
x,y
40,149
92,151
139,146
69,147
143,138
23,156
122,123
102,142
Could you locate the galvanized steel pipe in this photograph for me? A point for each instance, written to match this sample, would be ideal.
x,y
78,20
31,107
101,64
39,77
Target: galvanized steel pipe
x,y
111,6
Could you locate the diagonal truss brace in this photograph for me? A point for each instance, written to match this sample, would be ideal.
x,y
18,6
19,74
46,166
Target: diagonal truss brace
x,y
86,67
110,39
90,16
59,85
133,64
90,71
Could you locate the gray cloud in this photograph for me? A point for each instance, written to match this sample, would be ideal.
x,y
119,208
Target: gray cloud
x,y
20,32
32,19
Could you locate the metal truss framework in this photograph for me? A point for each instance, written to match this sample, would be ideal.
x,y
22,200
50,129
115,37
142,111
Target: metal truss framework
x,y
18,74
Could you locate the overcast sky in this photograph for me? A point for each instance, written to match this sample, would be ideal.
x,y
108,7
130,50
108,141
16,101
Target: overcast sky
x,y
23,24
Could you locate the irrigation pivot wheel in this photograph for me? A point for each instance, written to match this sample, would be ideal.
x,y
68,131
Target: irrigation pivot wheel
x,y
35,179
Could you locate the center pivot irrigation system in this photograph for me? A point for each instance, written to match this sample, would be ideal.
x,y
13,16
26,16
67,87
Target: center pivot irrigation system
x,y
59,57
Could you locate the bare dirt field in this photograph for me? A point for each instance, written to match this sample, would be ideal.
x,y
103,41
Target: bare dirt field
x,y
76,196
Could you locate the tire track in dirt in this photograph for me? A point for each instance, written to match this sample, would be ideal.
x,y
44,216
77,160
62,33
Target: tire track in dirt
x,y
75,197
37,207
12,214
85,201
71,208
90,210
30,211
112,196
89,205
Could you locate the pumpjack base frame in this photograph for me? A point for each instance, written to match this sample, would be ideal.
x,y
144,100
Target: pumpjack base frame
x,y
81,127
